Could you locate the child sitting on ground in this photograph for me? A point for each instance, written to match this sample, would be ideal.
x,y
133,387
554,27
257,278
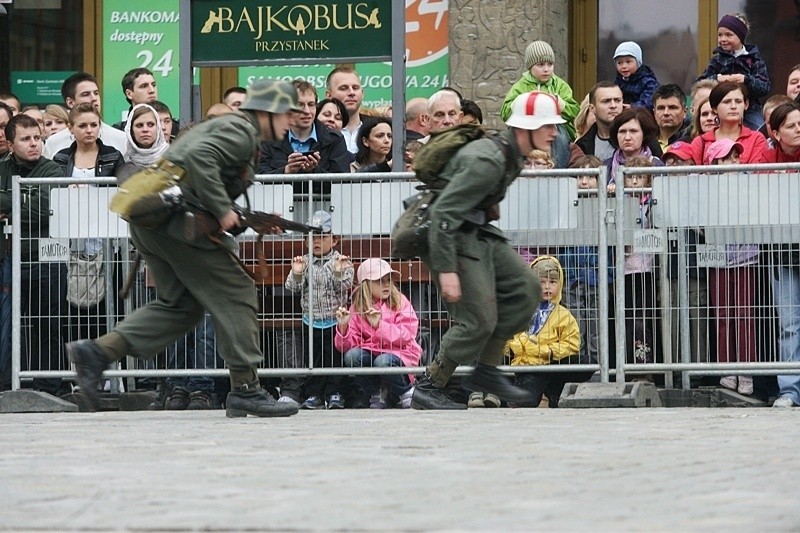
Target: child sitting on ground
x,y
331,274
552,338
637,80
379,330
539,76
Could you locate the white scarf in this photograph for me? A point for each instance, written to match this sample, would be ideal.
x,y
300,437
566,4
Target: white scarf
x,y
137,155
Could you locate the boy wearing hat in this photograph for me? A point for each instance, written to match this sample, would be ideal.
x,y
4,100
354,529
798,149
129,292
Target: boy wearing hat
x,y
539,76
324,279
637,80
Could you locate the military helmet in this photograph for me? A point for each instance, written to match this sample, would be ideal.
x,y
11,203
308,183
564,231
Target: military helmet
x,y
531,111
273,96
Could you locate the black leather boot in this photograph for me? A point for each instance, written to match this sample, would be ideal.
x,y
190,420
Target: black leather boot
x,y
89,361
252,400
427,396
487,378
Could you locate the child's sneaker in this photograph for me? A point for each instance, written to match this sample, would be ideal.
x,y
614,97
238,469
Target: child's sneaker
x,y
405,399
335,401
490,400
313,402
376,402
475,399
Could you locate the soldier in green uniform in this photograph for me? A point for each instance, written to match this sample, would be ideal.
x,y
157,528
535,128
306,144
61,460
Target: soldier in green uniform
x,y
215,162
489,292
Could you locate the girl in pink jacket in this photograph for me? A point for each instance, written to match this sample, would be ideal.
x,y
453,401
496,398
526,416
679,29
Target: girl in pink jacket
x,y
379,330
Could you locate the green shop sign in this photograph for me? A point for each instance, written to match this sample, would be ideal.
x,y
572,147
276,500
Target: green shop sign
x,y
39,87
246,31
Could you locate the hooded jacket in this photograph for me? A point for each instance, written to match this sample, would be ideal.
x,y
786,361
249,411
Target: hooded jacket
x,y
639,88
559,337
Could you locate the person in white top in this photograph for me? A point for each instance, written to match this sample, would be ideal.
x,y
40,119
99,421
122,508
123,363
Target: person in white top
x,y
78,88
344,83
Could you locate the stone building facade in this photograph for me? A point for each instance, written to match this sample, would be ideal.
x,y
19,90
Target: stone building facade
x,y
488,41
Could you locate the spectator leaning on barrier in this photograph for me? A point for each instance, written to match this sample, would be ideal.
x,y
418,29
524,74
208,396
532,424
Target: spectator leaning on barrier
x,y
217,158
785,124
552,338
332,276
489,292
379,330
78,88
44,283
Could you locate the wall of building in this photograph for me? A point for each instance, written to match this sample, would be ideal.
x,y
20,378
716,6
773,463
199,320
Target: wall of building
x,y
488,41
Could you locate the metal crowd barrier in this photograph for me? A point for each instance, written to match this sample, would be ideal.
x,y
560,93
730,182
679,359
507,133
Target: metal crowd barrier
x,y
543,212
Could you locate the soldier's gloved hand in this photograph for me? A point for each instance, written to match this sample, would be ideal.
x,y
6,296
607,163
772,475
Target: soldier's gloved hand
x,y
450,284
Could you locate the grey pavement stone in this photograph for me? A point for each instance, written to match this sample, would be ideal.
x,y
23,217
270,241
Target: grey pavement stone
x,y
31,401
488,470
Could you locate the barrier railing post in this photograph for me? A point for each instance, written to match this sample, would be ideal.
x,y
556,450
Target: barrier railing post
x,y
604,220
619,274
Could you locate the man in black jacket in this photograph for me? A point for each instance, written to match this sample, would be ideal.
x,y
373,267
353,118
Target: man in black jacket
x,y
44,282
309,146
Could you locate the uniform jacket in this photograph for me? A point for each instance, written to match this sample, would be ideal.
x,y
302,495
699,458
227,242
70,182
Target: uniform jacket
x,y
331,289
755,147
751,64
332,149
396,333
35,209
219,156
638,89
559,337
477,178
109,160
556,86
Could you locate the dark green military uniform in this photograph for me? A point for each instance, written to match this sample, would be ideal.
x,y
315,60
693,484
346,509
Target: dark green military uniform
x,y
499,291
219,157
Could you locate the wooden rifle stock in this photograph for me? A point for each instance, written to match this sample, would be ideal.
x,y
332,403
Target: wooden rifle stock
x,y
199,223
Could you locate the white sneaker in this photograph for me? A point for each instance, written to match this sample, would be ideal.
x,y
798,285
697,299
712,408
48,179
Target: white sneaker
x,y
290,401
729,382
405,398
784,402
745,385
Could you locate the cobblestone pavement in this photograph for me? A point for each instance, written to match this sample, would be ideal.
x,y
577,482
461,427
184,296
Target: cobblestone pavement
x,y
487,470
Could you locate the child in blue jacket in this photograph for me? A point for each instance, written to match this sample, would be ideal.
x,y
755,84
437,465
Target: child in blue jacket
x,y
637,80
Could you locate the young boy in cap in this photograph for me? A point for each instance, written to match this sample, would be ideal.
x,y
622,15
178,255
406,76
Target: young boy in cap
x,y
637,80
539,76
325,284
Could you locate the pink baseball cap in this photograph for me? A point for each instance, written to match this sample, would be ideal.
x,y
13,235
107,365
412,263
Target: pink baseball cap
x,y
721,148
374,269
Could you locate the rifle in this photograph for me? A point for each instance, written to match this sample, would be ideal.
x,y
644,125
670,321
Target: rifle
x,y
201,223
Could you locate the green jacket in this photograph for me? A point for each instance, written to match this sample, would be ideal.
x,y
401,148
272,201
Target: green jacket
x,y
556,86
35,208
219,156
477,178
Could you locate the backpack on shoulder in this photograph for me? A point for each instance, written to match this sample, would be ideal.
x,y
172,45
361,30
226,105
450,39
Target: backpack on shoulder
x,y
410,231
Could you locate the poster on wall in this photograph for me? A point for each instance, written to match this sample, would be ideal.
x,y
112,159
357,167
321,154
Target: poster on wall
x,y
426,70
139,34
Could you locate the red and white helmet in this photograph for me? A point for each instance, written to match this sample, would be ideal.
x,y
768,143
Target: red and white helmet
x,y
531,111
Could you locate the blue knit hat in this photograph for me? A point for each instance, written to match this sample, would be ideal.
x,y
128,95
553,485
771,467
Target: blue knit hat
x,y
629,48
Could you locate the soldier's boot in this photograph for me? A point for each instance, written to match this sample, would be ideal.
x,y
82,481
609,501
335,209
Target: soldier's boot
x,y
489,379
429,392
253,400
90,362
